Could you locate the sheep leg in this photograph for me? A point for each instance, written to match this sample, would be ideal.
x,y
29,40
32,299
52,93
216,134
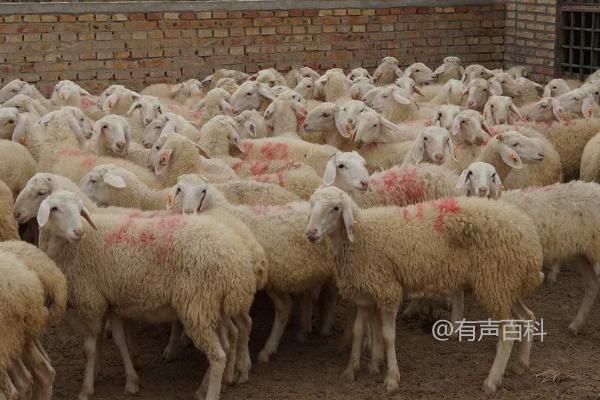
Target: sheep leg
x,y
283,307
207,339
175,345
42,350
413,309
523,313
388,331
503,350
132,383
350,318
22,379
134,350
328,305
591,291
358,333
90,349
457,312
305,316
231,335
377,347
243,323
7,388
552,275
98,367
42,370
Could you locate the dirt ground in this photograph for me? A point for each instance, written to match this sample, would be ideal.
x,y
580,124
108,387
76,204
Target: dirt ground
x,y
429,369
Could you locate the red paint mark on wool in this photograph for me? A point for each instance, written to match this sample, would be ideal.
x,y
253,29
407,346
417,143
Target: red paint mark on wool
x,y
237,166
274,151
71,152
259,167
405,215
445,207
88,101
88,161
158,234
410,185
420,212
399,187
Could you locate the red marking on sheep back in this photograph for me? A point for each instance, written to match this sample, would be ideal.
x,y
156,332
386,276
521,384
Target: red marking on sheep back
x,y
420,212
87,102
410,186
444,207
370,147
71,152
280,178
405,214
247,146
237,166
274,151
88,161
259,167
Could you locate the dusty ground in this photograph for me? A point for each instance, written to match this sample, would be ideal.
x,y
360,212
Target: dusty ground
x,y
429,369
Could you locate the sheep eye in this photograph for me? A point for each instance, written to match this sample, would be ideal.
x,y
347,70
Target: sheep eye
x,y
204,191
325,115
439,116
416,70
485,90
375,126
336,208
492,106
178,191
385,96
54,209
493,175
308,86
554,88
341,166
10,121
249,94
463,121
515,144
544,105
104,126
481,73
157,147
41,193
138,106
425,138
81,120
575,98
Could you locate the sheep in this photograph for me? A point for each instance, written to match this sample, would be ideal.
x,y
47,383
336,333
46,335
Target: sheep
x,y
14,88
450,238
420,73
17,166
178,124
382,143
228,84
141,113
218,135
432,145
23,316
293,266
445,115
109,185
479,92
288,149
518,71
9,118
24,103
469,133
589,169
251,95
395,104
182,93
69,93
270,77
568,233
328,122
155,128
8,226
295,75
285,117
193,251
360,87
581,102
117,99
387,72
251,124
500,110
475,71
451,68
216,102
522,90
180,156
556,87
334,87
212,80
452,92
298,179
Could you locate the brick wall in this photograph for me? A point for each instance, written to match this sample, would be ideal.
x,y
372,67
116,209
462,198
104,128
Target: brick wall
x,y
530,36
140,48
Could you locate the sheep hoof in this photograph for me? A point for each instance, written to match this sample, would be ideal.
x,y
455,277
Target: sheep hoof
x,y
242,378
85,395
374,369
132,388
489,387
520,369
349,374
574,328
263,357
392,381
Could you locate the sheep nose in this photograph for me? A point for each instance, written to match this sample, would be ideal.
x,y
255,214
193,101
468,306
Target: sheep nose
x,y
305,126
358,144
501,121
471,104
312,235
482,191
17,215
364,185
147,121
78,232
541,156
439,157
120,145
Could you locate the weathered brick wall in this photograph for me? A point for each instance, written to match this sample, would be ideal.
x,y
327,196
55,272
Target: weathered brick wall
x,y
140,48
530,36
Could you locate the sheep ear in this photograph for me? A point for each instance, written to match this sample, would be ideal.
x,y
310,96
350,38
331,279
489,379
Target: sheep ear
x,y
557,109
450,148
162,161
440,70
77,130
114,180
133,106
175,89
43,213
202,150
207,80
516,111
390,132
510,157
84,92
456,126
227,109
348,217
171,195
20,131
486,128
265,91
418,91
398,72
497,187
465,91
251,128
587,108
495,88
341,125
330,172
488,117
396,95
377,72
547,91
463,179
418,149
86,215
196,90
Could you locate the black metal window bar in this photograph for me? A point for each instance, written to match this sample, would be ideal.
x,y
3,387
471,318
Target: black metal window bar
x,y
579,38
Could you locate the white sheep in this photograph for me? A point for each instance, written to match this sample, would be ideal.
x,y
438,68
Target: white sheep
x,y
216,102
117,99
251,124
589,169
295,75
451,68
568,233
251,95
387,71
522,90
285,117
334,87
218,135
556,87
229,84
432,145
444,117
479,92
270,77
452,92
8,225
360,87
182,93
212,80
17,166
14,88
500,110
97,260
395,104
475,71
293,266
24,103
447,238
141,113
329,123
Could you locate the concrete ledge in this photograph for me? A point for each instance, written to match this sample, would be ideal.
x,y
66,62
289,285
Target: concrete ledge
x,y
220,5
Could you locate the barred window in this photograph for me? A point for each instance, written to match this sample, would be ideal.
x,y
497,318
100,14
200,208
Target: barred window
x,y
579,38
